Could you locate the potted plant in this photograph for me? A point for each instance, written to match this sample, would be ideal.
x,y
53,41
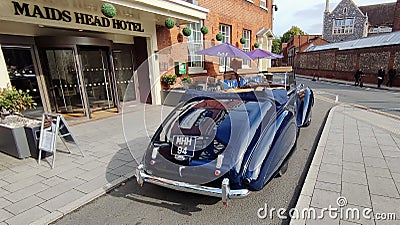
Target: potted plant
x,y
186,81
12,124
168,79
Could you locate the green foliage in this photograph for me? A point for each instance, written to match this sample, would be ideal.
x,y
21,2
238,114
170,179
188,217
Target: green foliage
x,y
256,45
108,10
187,31
204,30
276,46
186,79
219,37
290,33
15,101
169,23
168,79
242,41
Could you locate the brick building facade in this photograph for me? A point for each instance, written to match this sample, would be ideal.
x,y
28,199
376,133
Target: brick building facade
x,y
299,43
238,18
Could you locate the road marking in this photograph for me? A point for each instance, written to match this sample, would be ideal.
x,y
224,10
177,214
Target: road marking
x,y
326,99
376,111
357,106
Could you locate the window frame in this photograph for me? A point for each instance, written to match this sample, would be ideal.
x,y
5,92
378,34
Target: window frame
x,y
195,40
226,38
246,34
343,26
263,6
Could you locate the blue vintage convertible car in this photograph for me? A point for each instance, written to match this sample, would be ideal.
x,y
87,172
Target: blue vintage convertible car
x,y
226,144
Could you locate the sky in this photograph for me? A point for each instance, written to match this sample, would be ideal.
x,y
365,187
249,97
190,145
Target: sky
x,y
307,14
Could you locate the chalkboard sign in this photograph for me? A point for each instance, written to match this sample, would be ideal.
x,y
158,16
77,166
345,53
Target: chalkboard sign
x,y
53,126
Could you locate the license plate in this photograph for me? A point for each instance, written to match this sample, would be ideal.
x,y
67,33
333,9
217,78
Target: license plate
x,y
183,145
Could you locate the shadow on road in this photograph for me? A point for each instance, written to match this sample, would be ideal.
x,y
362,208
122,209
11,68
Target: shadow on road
x,y
149,194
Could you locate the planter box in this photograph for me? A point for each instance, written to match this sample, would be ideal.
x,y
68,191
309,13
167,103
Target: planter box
x,y
14,142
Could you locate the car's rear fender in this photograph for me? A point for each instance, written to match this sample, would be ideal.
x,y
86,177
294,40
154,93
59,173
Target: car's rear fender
x,y
273,147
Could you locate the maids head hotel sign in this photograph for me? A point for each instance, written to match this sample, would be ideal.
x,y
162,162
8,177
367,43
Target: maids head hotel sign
x,y
54,14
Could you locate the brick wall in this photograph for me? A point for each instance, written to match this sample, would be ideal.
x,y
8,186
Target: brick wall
x,y
343,64
327,61
346,62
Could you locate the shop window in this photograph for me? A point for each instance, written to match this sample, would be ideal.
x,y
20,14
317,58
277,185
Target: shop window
x,y
195,43
246,47
21,72
225,30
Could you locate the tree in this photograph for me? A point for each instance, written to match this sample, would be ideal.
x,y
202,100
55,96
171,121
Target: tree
x,y
295,30
276,46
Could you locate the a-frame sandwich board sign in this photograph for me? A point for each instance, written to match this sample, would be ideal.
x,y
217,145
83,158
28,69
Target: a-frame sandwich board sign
x,y
54,125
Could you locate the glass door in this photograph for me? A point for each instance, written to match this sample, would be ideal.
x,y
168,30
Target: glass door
x,y
96,76
123,69
63,81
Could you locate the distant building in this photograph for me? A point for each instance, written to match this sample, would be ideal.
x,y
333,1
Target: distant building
x,y
299,43
340,60
349,22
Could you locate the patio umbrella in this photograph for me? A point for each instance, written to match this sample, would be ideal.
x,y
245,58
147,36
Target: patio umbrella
x,y
224,50
260,53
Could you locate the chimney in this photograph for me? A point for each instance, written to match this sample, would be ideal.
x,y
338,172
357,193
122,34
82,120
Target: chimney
x,y
327,6
396,22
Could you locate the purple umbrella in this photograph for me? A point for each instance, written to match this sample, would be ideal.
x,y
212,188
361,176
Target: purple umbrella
x,y
224,50
259,53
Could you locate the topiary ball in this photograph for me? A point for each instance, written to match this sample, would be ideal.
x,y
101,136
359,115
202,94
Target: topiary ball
x,y
187,31
219,37
242,41
204,30
169,23
108,10
256,45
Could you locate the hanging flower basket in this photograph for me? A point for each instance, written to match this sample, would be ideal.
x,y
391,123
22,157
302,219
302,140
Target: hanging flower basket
x,y
219,37
204,30
169,23
187,31
242,41
256,45
108,10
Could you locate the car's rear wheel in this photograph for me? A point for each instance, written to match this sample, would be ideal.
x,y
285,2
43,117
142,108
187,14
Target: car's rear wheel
x,y
309,120
283,169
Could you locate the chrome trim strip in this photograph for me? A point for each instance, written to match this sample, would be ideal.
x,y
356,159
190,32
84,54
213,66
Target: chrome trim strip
x,y
142,176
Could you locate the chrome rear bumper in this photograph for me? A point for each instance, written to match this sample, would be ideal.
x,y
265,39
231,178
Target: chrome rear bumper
x,y
224,192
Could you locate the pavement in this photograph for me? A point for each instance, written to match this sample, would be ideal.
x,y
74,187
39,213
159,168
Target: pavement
x,y
357,158
36,194
356,167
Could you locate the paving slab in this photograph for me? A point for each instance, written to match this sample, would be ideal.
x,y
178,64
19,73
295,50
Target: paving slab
x,y
23,205
363,170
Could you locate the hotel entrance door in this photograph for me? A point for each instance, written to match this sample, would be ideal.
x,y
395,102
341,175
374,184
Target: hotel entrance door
x,y
97,77
63,81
